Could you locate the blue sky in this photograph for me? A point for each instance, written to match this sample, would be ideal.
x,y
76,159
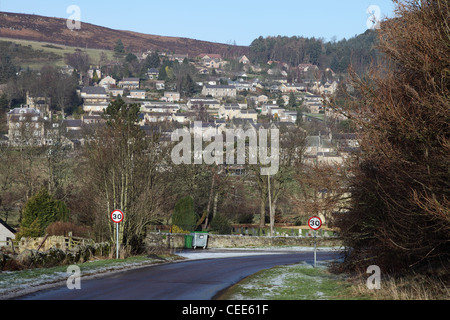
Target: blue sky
x,y
226,21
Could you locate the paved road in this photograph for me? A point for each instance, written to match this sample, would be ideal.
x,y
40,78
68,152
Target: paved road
x,y
187,280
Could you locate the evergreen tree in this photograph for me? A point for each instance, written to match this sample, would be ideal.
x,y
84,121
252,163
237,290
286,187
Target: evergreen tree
x,y
184,215
280,101
95,77
39,212
152,61
292,101
4,103
119,49
7,68
162,73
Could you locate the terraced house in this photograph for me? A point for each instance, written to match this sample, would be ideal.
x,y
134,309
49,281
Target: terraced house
x,y
219,91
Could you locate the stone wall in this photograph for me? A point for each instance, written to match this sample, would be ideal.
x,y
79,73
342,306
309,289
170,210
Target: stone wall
x,y
31,258
58,242
177,241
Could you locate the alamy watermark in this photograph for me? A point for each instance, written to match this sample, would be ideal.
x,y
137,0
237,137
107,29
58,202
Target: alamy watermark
x,y
74,280
374,281
374,19
191,149
74,20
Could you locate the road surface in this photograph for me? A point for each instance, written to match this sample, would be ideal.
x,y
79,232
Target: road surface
x,y
198,279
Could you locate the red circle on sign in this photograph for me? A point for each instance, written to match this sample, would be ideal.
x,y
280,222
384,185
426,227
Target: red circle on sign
x,y
117,216
315,223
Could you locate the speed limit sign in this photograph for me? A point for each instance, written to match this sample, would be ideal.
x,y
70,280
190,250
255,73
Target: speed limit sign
x,y
314,223
117,216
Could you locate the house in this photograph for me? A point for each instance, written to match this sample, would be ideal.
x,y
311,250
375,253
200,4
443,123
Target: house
x,y
213,63
171,96
153,117
98,93
92,119
288,116
26,126
285,98
327,88
249,115
346,140
129,83
116,91
107,82
314,107
277,112
178,57
153,73
203,102
265,108
335,113
160,107
205,128
229,111
6,233
219,91
312,99
206,56
263,99
241,86
95,99
40,103
291,87
160,85
183,117
73,125
137,94
305,67
244,60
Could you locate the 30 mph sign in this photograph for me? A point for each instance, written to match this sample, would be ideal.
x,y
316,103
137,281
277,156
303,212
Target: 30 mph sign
x,y
314,223
117,216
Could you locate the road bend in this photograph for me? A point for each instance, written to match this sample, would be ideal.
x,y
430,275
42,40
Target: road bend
x,y
197,279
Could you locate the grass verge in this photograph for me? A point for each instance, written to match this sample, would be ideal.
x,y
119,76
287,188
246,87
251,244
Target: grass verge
x,y
292,282
15,283
304,282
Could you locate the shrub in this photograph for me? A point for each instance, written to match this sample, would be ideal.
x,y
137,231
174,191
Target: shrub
x,y
61,228
184,215
220,224
39,212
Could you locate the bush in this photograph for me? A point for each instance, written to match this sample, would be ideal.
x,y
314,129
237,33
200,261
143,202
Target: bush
x,y
398,216
220,224
184,215
39,212
61,228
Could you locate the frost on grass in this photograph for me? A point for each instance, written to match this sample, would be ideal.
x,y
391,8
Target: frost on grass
x,y
26,281
292,282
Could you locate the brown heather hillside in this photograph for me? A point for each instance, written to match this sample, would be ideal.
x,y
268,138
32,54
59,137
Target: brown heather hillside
x,y
54,30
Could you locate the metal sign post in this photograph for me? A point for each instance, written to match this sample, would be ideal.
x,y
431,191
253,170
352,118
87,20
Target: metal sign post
x,y
315,249
117,241
315,223
117,217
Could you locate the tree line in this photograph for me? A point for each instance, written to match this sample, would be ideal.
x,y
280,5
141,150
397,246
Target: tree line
x,y
359,52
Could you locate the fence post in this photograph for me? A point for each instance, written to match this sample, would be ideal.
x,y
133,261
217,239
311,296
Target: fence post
x,y
42,243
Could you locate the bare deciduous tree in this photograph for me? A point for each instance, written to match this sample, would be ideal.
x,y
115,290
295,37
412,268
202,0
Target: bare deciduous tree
x,y
400,186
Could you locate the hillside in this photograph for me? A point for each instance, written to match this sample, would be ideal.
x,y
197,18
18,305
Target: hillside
x,y
54,30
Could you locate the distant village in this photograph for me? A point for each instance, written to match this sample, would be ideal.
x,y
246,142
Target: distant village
x,y
254,96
